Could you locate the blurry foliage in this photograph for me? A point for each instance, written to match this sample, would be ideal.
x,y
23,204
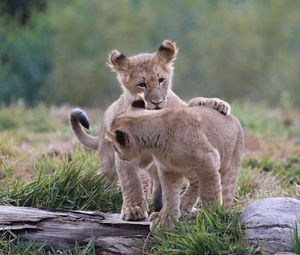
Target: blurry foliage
x,y
288,171
25,61
229,49
265,123
7,121
21,10
37,121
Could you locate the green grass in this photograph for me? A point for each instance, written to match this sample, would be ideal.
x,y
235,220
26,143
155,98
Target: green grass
x,y
37,119
260,120
288,170
74,185
7,121
10,244
217,232
296,241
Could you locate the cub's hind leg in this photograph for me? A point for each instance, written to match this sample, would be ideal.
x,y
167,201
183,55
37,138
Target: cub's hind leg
x,y
230,173
210,179
229,179
191,195
210,189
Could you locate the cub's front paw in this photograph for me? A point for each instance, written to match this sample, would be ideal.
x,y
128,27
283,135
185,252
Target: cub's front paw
x,y
214,103
189,213
198,101
220,105
186,204
134,213
162,220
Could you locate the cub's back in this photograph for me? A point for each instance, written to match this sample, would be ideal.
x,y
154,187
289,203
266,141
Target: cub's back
x,y
222,131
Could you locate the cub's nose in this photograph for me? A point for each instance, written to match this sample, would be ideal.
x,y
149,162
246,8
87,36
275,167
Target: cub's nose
x,y
156,102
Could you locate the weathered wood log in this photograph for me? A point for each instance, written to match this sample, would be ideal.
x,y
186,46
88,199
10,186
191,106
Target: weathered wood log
x,y
63,229
270,223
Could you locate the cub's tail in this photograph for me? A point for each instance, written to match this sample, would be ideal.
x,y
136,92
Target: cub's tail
x,y
77,118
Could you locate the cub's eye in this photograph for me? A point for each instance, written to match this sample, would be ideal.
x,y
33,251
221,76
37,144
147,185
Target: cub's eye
x,y
161,80
142,85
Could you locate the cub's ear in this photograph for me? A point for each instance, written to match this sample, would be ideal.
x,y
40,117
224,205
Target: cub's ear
x,y
110,136
117,61
117,138
122,138
167,52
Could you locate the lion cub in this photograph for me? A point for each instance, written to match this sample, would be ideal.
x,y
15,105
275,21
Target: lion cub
x,y
148,77
198,143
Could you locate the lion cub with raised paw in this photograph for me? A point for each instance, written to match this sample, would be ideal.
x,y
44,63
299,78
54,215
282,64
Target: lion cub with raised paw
x,y
198,143
148,76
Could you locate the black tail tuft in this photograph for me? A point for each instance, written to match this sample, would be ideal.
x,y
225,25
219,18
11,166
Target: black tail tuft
x,y
80,115
157,199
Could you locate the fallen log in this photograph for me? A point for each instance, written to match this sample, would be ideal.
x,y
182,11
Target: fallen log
x,y
63,229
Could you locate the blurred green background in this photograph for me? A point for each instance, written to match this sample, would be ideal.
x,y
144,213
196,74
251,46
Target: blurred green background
x,y
55,51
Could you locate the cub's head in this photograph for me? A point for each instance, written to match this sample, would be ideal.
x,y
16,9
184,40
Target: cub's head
x,y
146,76
121,138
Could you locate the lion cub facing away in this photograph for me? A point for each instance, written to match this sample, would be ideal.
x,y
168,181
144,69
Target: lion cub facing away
x,y
198,143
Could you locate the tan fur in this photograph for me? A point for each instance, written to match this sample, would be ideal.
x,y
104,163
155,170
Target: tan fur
x,y
194,142
131,71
